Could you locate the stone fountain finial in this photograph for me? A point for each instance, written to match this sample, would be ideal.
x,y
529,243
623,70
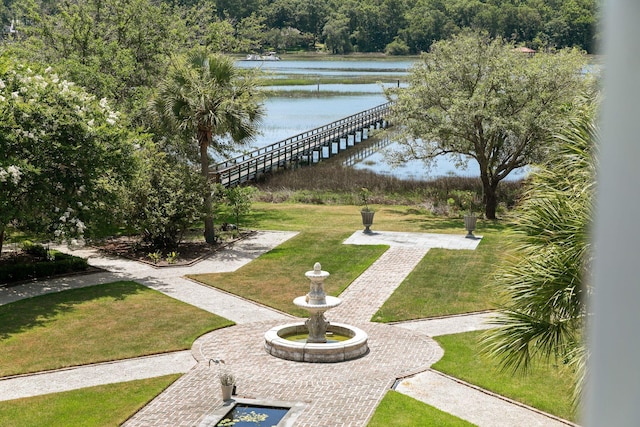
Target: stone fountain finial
x,y
316,295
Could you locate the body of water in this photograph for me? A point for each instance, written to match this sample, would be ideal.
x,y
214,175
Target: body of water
x,y
331,67
286,116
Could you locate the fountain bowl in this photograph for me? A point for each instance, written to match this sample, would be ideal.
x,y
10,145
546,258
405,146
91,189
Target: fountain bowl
x,y
276,344
330,302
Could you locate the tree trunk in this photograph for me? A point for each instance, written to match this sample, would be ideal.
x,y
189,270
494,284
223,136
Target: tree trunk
x,y
490,201
209,231
1,238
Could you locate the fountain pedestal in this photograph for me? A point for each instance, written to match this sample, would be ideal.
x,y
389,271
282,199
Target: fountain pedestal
x,y
316,348
317,302
317,324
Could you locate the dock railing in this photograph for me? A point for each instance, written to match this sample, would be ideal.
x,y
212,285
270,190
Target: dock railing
x,y
321,142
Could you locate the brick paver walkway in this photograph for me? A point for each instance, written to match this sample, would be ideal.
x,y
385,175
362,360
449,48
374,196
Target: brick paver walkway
x,y
365,295
337,394
331,395
334,394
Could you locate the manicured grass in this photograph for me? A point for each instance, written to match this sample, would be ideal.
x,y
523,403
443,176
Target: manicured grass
x,y
448,282
106,405
546,387
346,218
445,282
98,323
399,410
277,277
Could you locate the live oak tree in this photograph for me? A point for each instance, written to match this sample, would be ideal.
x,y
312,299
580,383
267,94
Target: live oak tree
x,y
480,99
213,106
112,48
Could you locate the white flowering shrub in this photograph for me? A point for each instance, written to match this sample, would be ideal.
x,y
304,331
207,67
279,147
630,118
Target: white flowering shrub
x,y
64,155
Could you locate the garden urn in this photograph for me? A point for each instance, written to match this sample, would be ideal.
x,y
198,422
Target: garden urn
x,y
470,225
367,219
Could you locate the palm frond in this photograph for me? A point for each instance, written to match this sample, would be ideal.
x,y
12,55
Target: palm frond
x,y
545,288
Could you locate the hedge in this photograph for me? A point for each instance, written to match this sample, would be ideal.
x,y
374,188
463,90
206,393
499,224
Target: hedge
x,y
61,264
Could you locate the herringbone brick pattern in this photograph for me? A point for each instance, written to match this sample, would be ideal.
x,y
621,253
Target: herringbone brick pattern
x,y
367,293
335,394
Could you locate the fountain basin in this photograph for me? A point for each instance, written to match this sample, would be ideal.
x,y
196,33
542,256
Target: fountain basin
x,y
329,302
276,344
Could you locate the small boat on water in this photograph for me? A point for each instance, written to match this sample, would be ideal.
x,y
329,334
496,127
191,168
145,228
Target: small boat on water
x,y
270,56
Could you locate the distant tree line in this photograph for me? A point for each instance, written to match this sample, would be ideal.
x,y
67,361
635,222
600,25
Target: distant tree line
x,y
392,26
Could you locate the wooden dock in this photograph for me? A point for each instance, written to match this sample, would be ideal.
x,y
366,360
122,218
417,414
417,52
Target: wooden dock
x,y
309,147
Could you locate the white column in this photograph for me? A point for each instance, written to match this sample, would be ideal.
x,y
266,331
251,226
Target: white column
x,y
613,392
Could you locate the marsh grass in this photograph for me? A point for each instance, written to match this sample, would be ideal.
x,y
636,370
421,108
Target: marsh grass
x,y
547,387
329,182
312,80
399,410
96,324
105,405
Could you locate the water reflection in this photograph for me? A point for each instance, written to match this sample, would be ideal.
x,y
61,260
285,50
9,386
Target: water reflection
x,y
374,158
288,116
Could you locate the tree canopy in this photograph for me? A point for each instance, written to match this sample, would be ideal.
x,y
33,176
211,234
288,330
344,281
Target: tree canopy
x,y
147,27
64,155
480,99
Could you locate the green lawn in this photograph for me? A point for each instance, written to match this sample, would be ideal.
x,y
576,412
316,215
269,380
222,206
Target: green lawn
x,y
106,405
399,410
94,324
546,387
140,321
277,277
445,282
448,282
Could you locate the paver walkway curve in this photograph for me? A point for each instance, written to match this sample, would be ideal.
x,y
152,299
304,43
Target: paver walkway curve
x,y
343,394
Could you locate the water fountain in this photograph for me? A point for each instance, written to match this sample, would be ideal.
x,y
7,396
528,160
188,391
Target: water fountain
x,y
316,340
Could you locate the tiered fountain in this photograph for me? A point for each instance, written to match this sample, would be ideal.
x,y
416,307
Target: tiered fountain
x,y
316,340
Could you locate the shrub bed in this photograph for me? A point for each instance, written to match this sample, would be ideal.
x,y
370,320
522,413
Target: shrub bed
x,y
33,264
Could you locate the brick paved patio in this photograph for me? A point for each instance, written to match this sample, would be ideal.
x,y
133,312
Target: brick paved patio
x,y
335,394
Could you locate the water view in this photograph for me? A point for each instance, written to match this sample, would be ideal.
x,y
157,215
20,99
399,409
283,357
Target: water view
x,y
323,103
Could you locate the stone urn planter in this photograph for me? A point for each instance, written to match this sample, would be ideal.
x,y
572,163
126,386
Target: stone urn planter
x,y
227,391
367,214
226,378
367,219
470,225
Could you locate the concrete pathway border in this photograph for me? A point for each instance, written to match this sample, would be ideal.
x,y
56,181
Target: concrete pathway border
x,y
474,404
60,380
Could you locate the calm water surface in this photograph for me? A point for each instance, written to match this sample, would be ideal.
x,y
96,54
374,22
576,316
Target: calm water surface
x,y
288,116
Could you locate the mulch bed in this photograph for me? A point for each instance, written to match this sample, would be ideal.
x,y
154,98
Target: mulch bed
x,y
188,253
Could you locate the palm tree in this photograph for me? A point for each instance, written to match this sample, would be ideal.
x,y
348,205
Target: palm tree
x,y
212,104
546,286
